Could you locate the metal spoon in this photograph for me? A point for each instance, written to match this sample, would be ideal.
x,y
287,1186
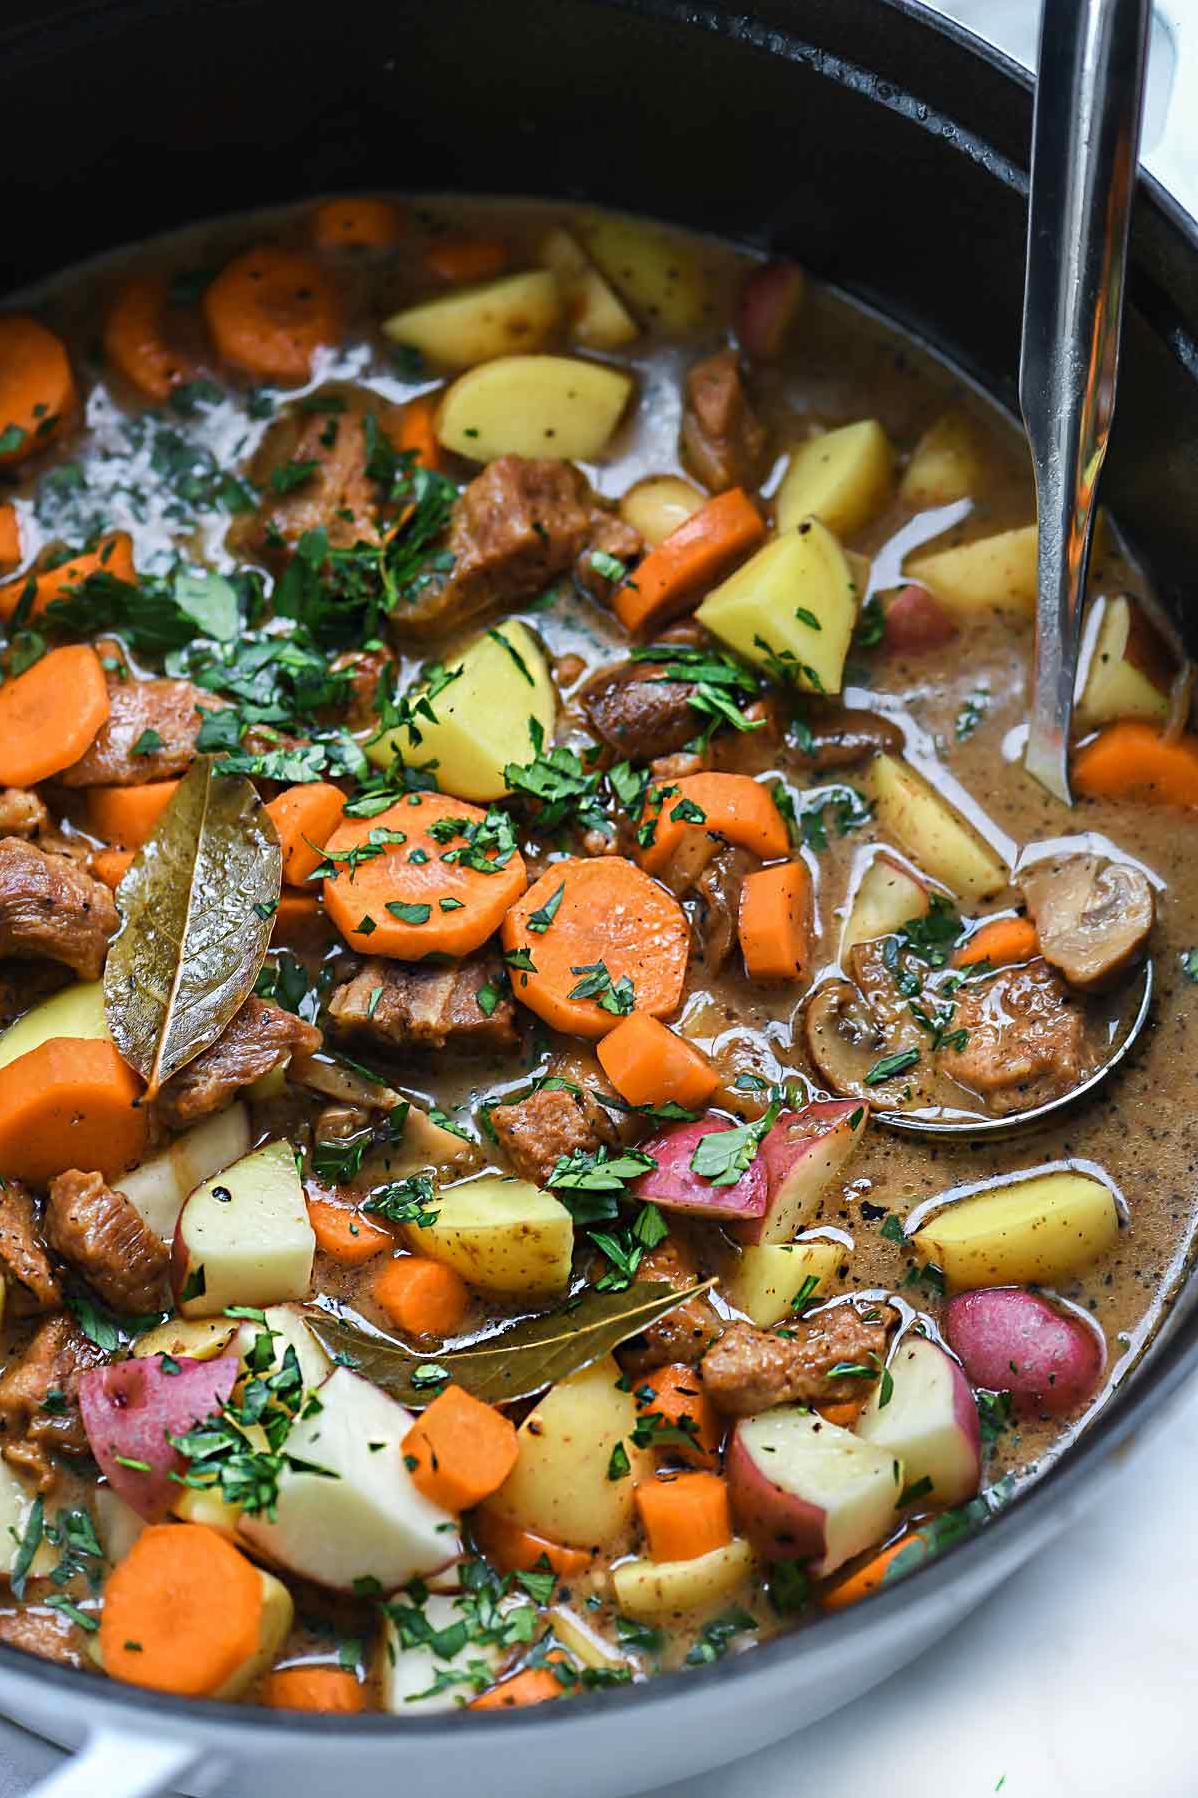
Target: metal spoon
x,y
1085,142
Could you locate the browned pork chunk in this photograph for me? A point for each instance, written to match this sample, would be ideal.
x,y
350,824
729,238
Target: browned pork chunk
x,y
402,1006
22,814
258,1039
102,1234
723,444
612,541
1024,1041
326,434
30,1282
51,1364
536,1131
637,714
750,1370
50,907
150,734
684,1334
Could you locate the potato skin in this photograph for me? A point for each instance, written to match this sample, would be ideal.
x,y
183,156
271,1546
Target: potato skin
x,y
1014,1341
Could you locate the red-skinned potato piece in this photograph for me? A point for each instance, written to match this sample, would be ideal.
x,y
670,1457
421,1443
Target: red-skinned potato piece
x,y
129,1409
674,1186
803,1489
802,1153
769,300
1011,1340
915,621
929,1419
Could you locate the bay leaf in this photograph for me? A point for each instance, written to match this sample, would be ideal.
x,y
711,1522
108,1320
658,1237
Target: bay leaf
x,y
514,1363
197,907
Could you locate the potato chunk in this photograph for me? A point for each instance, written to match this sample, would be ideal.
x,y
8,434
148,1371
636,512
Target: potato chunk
x,y
843,478
1129,672
654,270
933,832
768,1277
658,505
596,316
533,406
1044,1229
790,609
649,1590
944,464
501,1235
475,324
991,574
484,717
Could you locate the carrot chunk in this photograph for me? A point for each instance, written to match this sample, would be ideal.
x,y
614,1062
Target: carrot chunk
x,y
684,1515
312,1689
182,1611
37,388
513,1550
125,816
1136,761
427,878
466,258
269,311
112,555
842,1412
361,223
10,538
417,433
1002,941
49,714
534,1686
136,341
774,922
111,866
422,1297
305,817
70,1103
613,934
460,1450
649,1064
732,806
703,547
870,1577
675,1394
345,1234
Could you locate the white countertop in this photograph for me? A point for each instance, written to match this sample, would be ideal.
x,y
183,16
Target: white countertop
x,y
1076,1681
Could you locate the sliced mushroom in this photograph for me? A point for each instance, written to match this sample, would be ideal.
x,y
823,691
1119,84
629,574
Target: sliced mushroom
x,y
1092,916
842,737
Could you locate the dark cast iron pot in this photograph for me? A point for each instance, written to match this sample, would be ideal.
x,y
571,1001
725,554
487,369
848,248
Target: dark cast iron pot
x,y
887,151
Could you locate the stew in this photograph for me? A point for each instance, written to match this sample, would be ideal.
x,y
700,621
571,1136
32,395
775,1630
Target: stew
x,y
510,758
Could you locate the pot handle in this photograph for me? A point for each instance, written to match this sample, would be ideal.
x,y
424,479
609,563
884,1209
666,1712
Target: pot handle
x,y
120,1765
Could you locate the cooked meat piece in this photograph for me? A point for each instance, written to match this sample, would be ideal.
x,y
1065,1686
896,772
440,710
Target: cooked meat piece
x,y
684,1334
842,737
754,751
366,668
48,1634
23,983
50,907
536,1131
718,889
409,1006
101,1233
518,525
1092,916
327,429
22,813
259,1038
166,709
639,715
750,1370
610,537
29,1280
51,1363
723,444
1025,1038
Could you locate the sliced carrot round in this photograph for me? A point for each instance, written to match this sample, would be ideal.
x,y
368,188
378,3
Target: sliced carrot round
x,y
305,817
125,816
313,1689
608,924
732,806
49,714
345,1234
774,922
364,223
136,342
182,1611
428,877
1136,761
70,1103
650,1064
37,388
112,555
422,1297
467,258
269,311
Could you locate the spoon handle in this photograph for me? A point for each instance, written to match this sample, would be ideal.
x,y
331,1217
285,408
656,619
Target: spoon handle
x,y
1085,138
